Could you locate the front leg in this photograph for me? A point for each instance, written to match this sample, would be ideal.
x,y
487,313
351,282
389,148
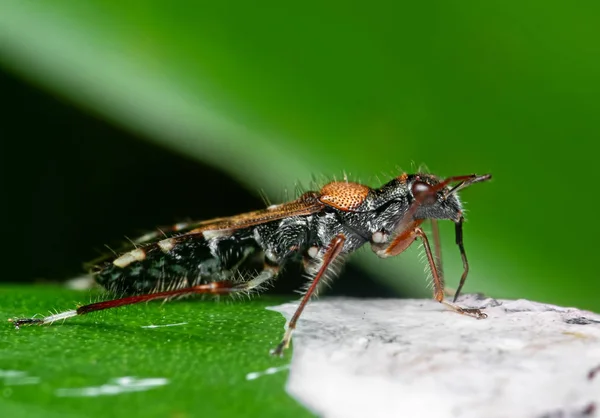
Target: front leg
x,y
401,242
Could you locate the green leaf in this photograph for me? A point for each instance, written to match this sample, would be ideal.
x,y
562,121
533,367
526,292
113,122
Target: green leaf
x,y
112,364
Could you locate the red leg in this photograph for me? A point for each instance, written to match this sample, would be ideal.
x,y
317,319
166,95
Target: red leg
x,y
403,241
437,246
334,249
437,252
214,288
439,283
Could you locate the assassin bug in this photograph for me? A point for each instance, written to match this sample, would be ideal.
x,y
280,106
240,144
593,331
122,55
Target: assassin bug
x,y
217,257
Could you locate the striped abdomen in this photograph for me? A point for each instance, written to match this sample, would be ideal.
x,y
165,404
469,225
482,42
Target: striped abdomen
x,y
176,262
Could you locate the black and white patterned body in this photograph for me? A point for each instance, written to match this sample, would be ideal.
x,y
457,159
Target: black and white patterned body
x,y
187,259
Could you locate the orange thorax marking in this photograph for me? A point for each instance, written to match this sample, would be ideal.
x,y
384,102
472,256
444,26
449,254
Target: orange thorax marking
x,y
344,195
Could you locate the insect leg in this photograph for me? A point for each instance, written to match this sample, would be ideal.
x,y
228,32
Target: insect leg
x,y
333,250
438,281
437,251
437,246
459,241
403,240
214,288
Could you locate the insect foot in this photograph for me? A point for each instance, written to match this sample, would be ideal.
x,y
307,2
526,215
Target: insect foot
x,y
474,312
278,351
17,322
284,344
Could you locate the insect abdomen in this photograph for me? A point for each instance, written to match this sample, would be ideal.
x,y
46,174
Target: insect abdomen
x,y
172,263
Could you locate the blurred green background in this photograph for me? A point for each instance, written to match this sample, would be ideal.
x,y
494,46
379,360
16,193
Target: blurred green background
x,y
121,116
244,96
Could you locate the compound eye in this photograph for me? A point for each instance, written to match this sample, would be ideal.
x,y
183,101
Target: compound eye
x,y
421,190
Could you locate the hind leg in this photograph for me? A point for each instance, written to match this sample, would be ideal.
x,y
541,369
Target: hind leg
x,y
214,288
